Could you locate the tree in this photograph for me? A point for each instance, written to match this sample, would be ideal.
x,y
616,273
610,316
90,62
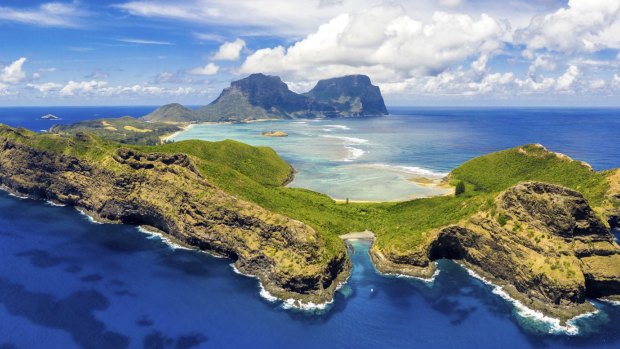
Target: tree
x,y
460,188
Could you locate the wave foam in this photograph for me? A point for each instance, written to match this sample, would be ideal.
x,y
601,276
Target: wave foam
x,y
338,127
354,153
89,217
157,235
286,303
612,302
55,204
555,327
429,280
415,170
347,140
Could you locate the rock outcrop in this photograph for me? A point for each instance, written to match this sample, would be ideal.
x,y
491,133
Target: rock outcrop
x,y
260,96
166,192
542,242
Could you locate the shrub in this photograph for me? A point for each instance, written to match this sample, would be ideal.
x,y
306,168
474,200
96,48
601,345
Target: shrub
x,y
502,219
460,188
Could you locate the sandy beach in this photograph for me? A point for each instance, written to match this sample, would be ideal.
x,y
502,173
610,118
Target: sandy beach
x,y
363,235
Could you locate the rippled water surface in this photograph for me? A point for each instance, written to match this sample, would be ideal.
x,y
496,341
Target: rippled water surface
x,y
376,158
66,282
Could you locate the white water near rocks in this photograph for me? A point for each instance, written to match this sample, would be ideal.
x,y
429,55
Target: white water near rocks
x,y
555,325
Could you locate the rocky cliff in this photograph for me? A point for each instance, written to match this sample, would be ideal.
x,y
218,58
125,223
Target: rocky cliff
x,y
542,243
352,95
260,96
168,193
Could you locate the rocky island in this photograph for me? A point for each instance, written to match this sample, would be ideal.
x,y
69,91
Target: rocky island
x,y
274,134
260,96
50,117
533,221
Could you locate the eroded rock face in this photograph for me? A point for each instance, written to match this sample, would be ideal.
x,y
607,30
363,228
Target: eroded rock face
x,y
165,191
549,250
555,209
553,248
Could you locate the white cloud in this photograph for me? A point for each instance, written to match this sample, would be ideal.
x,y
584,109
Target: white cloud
x,y
80,87
100,88
451,3
565,81
13,72
52,14
229,51
209,69
383,42
45,88
145,42
582,26
597,84
209,37
542,62
615,81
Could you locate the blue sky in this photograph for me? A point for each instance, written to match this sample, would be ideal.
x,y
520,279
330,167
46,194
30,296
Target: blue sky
x,y
446,52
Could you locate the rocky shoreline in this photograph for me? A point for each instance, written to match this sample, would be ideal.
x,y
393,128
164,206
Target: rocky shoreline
x,y
160,191
510,260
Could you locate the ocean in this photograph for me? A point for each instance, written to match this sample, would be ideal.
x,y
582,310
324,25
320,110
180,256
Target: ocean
x,y
376,159
67,282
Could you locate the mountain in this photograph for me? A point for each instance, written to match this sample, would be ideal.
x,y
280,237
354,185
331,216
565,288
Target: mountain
x,y
261,96
350,95
173,112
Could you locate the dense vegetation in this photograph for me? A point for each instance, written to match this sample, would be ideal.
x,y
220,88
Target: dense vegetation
x,y
257,174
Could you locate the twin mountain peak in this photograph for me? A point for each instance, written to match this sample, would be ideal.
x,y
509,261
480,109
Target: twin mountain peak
x,y
261,96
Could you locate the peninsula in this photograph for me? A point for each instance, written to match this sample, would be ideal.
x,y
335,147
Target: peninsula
x,y
528,219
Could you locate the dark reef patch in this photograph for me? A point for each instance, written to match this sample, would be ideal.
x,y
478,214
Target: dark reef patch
x,y
157,340
74,314
41,259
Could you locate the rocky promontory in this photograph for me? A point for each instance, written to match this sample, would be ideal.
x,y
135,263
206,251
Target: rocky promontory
x,y
543,243
531,221
167,191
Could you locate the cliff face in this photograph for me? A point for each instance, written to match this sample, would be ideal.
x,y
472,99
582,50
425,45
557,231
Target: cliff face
x,y
352,95
543,243
260,96
167,192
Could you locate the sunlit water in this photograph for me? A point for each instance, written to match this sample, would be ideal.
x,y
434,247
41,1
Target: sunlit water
x,y
66,282
376,158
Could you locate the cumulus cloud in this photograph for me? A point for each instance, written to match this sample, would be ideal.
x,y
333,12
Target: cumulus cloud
x,y
582,26
383,42
74,87
13,72
567,79
209,69
229,51
542,62
52,14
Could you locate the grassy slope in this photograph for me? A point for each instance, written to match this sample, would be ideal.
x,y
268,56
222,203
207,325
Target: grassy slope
x,y
256,174
124,130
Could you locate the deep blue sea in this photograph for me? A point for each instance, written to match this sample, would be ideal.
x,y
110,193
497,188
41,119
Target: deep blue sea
x,y
66,282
